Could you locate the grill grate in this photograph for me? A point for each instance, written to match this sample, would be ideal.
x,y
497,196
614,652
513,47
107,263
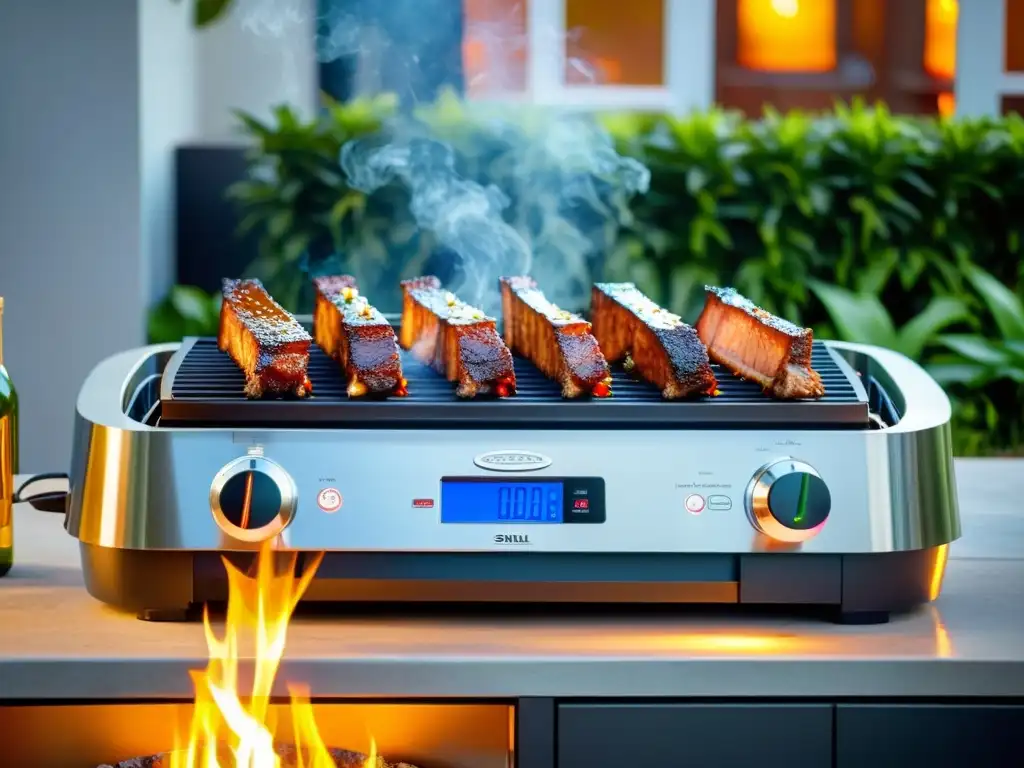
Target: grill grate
x,y
203,387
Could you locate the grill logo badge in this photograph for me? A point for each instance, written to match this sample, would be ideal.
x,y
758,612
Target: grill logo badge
x,y
512,461
511,538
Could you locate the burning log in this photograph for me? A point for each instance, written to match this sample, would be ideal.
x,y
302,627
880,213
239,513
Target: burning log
x,y
290,758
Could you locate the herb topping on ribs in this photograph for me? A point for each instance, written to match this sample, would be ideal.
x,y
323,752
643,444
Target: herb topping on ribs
x,y
353,332
559,343
264,340
757,345
458,341
652,342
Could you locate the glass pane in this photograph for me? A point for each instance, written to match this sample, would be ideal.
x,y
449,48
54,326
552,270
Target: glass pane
x,y
611,42
940,38
1014,35
786,35
494,47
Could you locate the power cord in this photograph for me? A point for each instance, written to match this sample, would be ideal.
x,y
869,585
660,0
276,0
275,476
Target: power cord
x,y
44,501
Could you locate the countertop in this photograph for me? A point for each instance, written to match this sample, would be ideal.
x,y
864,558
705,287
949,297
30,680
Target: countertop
x,y
56,642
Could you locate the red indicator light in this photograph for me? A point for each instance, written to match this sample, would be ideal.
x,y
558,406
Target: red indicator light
x,y
581,504
422,503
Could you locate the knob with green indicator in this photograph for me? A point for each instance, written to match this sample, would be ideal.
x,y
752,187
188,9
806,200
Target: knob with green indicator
x,y
788,501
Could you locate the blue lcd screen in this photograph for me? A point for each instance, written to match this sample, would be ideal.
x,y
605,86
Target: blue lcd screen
x,y
496,502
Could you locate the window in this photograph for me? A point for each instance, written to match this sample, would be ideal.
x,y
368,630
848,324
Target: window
x,y
804,54
644,54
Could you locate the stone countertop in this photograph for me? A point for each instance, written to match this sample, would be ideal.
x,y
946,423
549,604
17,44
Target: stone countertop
x,y
56,642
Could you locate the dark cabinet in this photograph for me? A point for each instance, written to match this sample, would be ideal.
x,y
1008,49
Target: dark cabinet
x,y
765,735
937,736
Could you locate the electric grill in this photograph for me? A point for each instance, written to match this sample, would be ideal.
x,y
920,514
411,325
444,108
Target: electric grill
x,y
847,502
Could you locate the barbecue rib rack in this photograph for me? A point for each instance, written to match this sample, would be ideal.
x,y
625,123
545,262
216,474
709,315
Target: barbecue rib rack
x,y
203,387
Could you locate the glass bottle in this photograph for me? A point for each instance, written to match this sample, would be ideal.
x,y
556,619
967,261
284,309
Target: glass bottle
x,y
8,457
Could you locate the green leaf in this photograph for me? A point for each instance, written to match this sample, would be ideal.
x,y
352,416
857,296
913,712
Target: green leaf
x,y
294,247
205,12
353,202
976,349
941,312
875,276
1003,303
191,303
696,180
164,324
946,374
911,267
915,180
857,317
821,199
186,311
903,206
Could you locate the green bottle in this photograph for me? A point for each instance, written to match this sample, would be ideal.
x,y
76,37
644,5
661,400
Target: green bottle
x,y
8,456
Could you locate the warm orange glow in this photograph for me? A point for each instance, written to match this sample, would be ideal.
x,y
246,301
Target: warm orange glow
x,y
474,56
943,643
609,42
764,543
947,104
232,731
494,47
938,571
733,643
940,37
787,35
608,70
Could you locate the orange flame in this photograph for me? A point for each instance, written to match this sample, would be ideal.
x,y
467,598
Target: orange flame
x,y
227,730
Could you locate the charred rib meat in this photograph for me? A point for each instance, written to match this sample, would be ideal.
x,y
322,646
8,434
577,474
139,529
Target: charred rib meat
x,y
559,343
652,342
353,332
264,340
456,340
757,345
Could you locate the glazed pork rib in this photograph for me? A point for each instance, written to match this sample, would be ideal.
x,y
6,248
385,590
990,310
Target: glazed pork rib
x,y
354,333
757,345
264,340
652,342
559,343
458,341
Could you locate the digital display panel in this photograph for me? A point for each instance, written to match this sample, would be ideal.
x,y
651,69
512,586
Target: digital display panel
x,y
512,502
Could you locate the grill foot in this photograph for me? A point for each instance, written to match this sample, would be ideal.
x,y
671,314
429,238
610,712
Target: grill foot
x,y
861,617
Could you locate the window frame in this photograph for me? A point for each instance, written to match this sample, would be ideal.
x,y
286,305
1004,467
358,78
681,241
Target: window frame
x,y
688,66
982,81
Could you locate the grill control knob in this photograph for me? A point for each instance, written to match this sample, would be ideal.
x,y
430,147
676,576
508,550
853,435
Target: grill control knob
x,y
788,501
252,499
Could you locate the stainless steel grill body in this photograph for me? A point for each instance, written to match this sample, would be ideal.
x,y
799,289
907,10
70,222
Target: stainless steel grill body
x,y
143,489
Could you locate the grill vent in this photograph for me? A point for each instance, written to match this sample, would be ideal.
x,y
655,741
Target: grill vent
x,y
205,388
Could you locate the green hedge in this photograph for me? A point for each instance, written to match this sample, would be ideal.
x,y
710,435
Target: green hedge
x,y
898,231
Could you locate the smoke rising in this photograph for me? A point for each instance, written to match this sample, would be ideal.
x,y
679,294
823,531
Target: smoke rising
x,y
541,191
557,169
465,217
271,18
